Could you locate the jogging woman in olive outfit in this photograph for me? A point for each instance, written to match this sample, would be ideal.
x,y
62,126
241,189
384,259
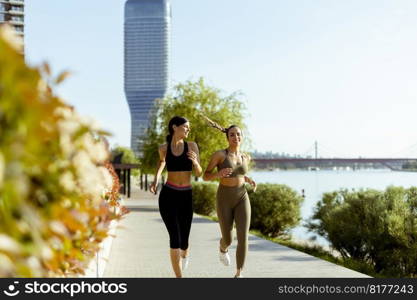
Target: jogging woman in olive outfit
x,y
175,198
232,199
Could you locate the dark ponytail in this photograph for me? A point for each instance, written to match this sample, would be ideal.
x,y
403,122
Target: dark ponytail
x,y
218,126
177,121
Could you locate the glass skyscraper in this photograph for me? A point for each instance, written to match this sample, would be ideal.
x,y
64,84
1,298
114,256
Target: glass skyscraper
x,y
12,12
147,39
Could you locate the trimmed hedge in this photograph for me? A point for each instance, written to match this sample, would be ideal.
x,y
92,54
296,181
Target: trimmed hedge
x,y
204,198
275,207
376,227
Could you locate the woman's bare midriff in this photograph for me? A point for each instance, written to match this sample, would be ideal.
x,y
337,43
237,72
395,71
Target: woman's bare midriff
x,y
234,181
181,178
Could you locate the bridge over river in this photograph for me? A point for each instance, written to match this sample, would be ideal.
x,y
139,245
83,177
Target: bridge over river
x,y
391,163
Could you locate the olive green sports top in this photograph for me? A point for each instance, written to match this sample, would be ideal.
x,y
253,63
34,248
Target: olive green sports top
x,y
238,169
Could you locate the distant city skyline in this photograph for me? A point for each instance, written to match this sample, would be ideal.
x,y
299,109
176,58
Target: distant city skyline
x,y
147,29
339,72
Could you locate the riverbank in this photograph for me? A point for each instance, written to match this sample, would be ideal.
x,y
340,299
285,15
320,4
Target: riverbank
x,y
316,183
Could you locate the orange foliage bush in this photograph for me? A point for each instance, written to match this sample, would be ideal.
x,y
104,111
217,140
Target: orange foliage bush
x,y
53,185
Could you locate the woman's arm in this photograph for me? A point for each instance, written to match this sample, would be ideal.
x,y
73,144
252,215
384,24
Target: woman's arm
x,y
159,168
194,156
214,161
247,178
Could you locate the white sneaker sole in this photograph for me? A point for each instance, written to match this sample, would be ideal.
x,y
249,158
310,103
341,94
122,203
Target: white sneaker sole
x,y
184,263
224,258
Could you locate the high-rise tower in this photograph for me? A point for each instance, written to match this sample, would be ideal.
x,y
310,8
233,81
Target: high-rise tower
x,y
147,39
12,12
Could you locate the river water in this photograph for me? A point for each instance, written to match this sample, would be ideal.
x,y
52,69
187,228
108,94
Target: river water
x,y
315,183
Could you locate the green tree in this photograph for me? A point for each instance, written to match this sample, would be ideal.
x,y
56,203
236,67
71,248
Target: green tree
x,y
375,227
151,142
191,100
128,157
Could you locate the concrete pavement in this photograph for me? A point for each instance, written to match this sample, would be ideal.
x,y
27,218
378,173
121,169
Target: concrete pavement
x,y
141,249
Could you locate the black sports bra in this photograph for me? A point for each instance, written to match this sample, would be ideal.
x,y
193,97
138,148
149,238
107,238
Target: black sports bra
x,y
178,163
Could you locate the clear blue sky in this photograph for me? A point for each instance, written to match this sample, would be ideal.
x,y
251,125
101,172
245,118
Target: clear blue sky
x,y
343,73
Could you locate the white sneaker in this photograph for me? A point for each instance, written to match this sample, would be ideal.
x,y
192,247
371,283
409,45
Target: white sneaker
x,y
184,262
224,258
239,276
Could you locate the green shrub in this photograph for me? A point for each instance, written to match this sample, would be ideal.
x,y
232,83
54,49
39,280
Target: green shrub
x,y
204,198
275,209
379,228
52,179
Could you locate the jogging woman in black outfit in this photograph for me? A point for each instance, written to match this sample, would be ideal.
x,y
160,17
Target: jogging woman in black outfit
x,y
175,199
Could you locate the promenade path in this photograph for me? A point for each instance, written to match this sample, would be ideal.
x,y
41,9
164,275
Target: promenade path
x,y
141,249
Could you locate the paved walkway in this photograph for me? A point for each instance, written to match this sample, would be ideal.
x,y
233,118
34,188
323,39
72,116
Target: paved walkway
x,y
141,249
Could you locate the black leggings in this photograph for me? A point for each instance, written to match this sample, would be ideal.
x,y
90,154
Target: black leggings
x,y
176,209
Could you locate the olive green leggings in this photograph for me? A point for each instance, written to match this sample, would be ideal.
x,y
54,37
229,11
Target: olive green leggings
x,y
233,205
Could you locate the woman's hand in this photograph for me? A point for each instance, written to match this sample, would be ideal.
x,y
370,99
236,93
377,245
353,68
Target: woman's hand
x,y
192,156
152,187
224,173
251,182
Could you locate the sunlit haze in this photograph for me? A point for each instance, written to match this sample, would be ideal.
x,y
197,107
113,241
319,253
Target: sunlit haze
x,y
342,73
